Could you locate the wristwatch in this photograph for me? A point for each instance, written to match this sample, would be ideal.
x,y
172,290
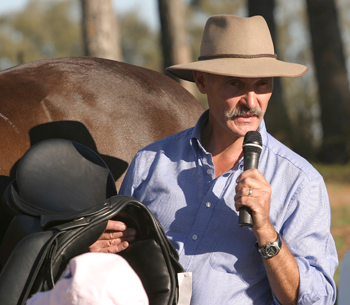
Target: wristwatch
x,y
271,249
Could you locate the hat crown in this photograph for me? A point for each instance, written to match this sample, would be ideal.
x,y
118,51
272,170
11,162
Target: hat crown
x,y
227,35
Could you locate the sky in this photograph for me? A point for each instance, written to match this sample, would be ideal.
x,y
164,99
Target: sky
x,y
148,9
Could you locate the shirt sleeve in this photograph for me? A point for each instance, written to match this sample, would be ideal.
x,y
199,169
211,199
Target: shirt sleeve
x,y
136,174
127,187
307,235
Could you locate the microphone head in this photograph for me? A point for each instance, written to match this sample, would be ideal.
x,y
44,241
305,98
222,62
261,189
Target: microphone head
x,y
252,142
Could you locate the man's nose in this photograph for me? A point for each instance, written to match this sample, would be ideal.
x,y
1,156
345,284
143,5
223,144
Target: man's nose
x,y
250,99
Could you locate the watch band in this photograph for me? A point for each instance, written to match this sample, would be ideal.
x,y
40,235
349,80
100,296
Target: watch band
x,y
271,249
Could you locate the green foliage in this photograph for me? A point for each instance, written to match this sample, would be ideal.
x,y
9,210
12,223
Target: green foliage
x,y
140,45
44,29
52,28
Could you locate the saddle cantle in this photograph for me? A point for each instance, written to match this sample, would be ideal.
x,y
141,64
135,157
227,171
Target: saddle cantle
x,y
62,199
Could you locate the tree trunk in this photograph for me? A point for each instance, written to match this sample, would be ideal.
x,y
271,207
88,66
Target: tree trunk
x,y
333,83
100,29
174,40
276,117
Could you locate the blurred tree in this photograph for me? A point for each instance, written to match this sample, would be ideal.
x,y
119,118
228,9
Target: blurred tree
x,y
52,28
299,94
200,10
174,38
333,83
139,42
277,120
42,30
100,29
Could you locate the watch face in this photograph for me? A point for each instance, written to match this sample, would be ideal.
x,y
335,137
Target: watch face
x,y
271,251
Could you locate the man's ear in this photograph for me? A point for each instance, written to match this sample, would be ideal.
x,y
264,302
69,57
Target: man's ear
x,y
200,79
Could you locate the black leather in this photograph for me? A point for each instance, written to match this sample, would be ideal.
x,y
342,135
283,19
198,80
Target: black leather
x,y
71,177
63,196
18,273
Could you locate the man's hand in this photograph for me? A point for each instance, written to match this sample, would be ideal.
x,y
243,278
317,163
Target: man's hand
x,y
258,201
115,238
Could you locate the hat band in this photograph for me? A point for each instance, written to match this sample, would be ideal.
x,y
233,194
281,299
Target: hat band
x,y
236,56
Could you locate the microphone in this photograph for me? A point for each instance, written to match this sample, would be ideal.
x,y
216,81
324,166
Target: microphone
x,y
252,147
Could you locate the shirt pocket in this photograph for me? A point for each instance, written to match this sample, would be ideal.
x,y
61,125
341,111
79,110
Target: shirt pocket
x,y
235,253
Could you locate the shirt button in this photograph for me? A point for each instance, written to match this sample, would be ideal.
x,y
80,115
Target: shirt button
x,y
208,204
209,171
194,237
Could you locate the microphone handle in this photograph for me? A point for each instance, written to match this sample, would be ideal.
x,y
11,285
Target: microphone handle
x,y
251,160
245,217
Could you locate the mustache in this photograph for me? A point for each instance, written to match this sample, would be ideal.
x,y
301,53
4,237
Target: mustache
x,y
244,112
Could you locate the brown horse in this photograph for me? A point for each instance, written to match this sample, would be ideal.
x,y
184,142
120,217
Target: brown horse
x,y
112,107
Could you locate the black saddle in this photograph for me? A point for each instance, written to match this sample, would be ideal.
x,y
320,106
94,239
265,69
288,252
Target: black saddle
x,y
62,198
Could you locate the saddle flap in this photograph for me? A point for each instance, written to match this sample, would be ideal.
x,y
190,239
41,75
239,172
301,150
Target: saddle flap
x,y
20,227
12,284
147,259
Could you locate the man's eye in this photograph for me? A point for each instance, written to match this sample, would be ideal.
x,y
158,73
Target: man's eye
x,y
263,83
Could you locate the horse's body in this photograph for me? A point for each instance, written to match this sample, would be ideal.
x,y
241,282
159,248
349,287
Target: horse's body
x,y
112,107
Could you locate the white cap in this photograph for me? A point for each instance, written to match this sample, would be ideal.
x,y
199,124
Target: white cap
x,y
94,279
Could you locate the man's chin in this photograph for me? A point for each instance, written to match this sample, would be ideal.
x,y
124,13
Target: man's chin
x,y
242,131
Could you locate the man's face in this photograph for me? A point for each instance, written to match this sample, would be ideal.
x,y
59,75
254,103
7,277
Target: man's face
x,y
237,105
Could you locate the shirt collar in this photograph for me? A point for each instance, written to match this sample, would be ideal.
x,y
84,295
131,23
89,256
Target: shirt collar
x,y
263,132
197,130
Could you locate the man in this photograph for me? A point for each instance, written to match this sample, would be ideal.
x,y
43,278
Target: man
x,y
195,183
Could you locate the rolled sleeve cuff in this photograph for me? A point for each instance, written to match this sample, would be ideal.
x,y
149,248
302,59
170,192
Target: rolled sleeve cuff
x,y
315,286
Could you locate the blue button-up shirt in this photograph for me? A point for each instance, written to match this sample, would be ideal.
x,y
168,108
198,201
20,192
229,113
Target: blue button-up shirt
x,y
175,178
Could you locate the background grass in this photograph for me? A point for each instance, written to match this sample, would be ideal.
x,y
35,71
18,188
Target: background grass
x,y
337,178
334,173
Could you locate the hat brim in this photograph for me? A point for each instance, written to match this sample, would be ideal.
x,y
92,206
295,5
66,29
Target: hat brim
x,y
239,67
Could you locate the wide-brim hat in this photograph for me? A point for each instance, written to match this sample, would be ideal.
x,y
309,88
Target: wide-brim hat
x,y
240,47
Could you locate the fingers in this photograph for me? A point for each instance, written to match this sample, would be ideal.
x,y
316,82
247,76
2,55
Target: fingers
x,y
114,239
128,234
254,192
251,178
115,225
246,191
256,199
109,246
251,183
